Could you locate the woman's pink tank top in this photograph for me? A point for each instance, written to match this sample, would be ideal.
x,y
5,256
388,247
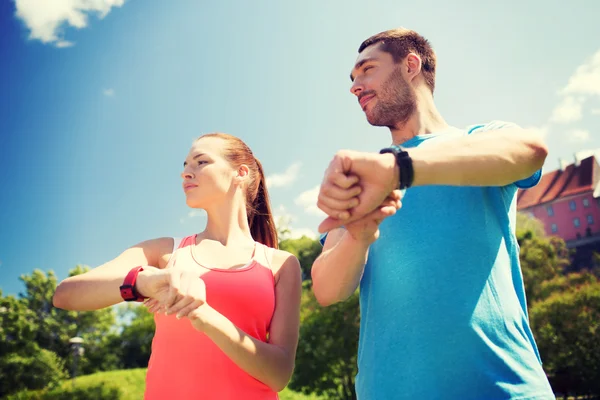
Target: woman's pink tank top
x,y
186,364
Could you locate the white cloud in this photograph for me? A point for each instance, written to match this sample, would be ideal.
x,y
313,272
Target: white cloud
x,y
45,19
596,111
286,178
197,213
586,79
109,92
283,219
61,44
583,154
543,130
308,200
579,135
568,110
297,233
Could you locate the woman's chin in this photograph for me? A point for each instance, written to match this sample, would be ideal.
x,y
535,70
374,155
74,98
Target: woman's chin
x,y
193,203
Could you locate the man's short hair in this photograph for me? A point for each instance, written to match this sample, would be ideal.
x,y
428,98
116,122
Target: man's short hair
x,y
399,43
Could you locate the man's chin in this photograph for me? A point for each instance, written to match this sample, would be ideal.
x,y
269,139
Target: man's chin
x,y
373,120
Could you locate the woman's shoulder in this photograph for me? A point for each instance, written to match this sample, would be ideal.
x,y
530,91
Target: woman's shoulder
x,y
283,262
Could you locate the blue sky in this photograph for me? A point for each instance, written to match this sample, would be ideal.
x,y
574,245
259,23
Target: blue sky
x,y
98,106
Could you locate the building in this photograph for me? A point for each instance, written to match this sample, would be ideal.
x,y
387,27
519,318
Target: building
x,y
567,201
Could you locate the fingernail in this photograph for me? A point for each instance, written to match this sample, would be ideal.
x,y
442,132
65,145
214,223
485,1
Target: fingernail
x,y
178,316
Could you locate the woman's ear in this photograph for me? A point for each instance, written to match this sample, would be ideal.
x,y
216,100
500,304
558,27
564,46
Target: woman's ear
x,y
243,173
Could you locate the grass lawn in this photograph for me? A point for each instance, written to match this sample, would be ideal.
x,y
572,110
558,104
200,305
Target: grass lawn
x,y
132,384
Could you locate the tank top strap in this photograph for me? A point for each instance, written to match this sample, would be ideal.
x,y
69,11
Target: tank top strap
x,y
178,243
267,253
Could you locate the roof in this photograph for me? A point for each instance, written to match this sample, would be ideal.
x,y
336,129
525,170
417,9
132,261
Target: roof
x,y
570,181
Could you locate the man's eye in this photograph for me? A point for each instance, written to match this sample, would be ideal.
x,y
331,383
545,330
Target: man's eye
x,y
367,68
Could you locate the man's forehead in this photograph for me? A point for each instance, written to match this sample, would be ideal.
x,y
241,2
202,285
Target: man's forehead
x,y
372,51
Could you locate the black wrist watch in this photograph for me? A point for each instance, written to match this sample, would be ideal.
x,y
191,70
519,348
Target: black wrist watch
x,y
404,163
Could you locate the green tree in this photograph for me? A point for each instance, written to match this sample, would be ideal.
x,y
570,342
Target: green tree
x,y
133,344
542,258
23,364
564,310
54,327
566,325
305,249
326,357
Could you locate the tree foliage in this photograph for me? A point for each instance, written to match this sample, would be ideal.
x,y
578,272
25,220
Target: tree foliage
x,y
326,357
564,311
305,249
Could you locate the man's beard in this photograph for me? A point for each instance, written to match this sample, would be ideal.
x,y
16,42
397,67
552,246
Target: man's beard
x,y
396,103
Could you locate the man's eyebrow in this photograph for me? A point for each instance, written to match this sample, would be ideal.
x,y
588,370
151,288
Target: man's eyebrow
x,y
360,64
195,157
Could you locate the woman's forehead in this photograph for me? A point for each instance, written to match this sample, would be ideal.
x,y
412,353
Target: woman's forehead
x,y
208,145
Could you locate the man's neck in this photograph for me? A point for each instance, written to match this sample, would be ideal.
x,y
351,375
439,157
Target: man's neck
x,y
426,119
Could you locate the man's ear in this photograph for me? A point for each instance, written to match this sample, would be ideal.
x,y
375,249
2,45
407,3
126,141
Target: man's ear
x,y
412,64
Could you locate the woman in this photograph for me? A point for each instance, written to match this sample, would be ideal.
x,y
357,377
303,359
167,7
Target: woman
x,y
226,302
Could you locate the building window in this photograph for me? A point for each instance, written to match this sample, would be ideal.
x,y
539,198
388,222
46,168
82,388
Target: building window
x,y
572,205
554,228
550,210
576,222
586,202
590,219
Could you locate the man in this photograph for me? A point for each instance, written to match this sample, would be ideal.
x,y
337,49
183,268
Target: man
x,y
443,310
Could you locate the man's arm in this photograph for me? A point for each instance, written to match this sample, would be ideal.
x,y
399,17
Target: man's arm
x,y
493,158
337,271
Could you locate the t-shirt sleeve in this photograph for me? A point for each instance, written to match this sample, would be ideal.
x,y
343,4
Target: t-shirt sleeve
x,y
322,238
496,125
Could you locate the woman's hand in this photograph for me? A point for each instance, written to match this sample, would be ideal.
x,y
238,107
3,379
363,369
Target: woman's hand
x,y
173,290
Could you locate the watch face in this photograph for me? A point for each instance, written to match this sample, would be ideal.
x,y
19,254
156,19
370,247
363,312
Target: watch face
x,y
127,293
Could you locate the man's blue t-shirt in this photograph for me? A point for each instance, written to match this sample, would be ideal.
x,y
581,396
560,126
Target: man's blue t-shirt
x,y
442,302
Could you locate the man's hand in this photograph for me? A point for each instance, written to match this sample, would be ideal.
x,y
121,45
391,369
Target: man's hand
x,y
354,185
366,229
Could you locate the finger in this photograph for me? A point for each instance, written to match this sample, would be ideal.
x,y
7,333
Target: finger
x,y
174,282
185,311
150,302
396,194
330,223
342,180
152,305
184,295
339,193
391,203
341,215
384,212
336,204
183,303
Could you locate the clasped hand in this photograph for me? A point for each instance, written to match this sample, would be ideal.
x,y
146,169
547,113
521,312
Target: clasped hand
x,y
174,291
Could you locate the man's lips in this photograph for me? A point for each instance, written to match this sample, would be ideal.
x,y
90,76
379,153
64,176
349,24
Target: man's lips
x,y
189,186
364,100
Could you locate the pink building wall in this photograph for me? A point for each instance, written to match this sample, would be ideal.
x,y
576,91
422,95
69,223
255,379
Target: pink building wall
x,y
563,216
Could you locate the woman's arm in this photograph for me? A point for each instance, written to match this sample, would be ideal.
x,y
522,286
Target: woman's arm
x,y
99,288
273,362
